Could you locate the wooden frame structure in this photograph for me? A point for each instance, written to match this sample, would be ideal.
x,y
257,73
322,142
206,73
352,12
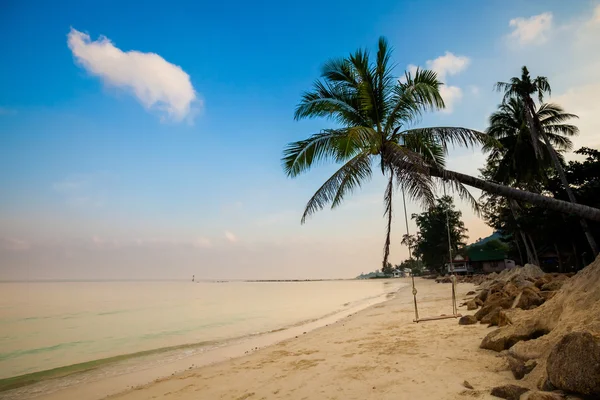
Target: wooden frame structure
x,y
455,313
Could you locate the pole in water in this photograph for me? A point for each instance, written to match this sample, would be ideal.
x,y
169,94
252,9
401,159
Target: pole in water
x,y
193,277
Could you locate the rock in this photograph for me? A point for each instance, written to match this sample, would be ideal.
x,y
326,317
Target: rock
x,y
483,295
529,299
478,302
547,295
574,364
491,318
467,320
511,289
508,336
518,368
509,392
493,301
472,305
552,285
468,385
537,395
504,317
470,293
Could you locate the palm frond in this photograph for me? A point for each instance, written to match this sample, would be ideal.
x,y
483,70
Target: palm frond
x,y
349,177
300,156
455,136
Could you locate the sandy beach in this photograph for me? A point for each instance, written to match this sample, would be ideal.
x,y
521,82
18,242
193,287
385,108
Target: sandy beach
x,y
377,353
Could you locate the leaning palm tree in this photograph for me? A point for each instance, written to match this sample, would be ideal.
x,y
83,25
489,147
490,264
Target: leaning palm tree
x,y
523,88
515,160
373,111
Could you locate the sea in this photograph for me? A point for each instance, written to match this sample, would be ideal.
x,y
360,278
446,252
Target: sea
x,y
67,326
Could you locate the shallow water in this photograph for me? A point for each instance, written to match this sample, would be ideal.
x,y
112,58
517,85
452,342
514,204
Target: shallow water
x,y
45,325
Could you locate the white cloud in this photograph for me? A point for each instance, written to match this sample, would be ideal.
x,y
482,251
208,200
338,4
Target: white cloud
x,y
474,90
451,96
533,30
448,64
231,237
155,82
596,18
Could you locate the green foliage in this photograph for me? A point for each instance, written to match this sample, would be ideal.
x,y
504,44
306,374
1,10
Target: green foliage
x,y
374,110
388,269
416,267
545,230
432,240
491,245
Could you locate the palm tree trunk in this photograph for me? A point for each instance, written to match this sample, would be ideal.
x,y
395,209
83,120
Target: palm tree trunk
x,y
537,126
530,257
551,203
519,250
560,263
535,254
388,212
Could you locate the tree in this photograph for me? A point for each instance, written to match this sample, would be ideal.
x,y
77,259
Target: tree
x,y
416,267
515,160
373,110
544,230
387,269
523,88
434,225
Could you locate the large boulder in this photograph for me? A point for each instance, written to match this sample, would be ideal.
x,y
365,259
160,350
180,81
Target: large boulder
x,y
482,295
492,317
529,299
472,305
509,392
537,395
553,285
574,364
467,320
518,368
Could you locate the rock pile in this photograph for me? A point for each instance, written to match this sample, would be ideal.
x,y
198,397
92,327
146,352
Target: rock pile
x,y
551,326
525,288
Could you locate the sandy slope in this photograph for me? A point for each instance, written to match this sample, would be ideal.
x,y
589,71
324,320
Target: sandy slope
x,y
377,353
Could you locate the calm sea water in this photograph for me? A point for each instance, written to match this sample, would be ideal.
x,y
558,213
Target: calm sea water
x,y
53,324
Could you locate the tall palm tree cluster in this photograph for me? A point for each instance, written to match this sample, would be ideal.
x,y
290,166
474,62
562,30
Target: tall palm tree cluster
x,y
376,113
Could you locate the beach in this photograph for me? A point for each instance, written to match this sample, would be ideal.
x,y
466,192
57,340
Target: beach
x,y
375,353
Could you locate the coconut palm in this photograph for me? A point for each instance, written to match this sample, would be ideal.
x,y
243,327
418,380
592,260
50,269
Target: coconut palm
x,y
515,159
374,112
523,88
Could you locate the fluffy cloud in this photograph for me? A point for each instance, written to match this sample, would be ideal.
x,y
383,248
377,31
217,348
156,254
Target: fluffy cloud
x,y
448,64
533,30
231,237
156,83
583,101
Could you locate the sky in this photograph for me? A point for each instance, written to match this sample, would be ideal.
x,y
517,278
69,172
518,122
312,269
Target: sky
x,y
144,141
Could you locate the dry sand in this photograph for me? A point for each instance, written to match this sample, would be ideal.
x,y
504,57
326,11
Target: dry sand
x,y
377,353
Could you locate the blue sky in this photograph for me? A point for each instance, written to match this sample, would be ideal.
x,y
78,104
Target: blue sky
x,y
166,165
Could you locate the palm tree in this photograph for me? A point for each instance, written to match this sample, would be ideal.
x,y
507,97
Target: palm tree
x,y
523,88
373,111
515,161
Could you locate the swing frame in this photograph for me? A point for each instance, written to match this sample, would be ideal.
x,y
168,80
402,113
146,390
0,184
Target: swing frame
x,y
455,313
